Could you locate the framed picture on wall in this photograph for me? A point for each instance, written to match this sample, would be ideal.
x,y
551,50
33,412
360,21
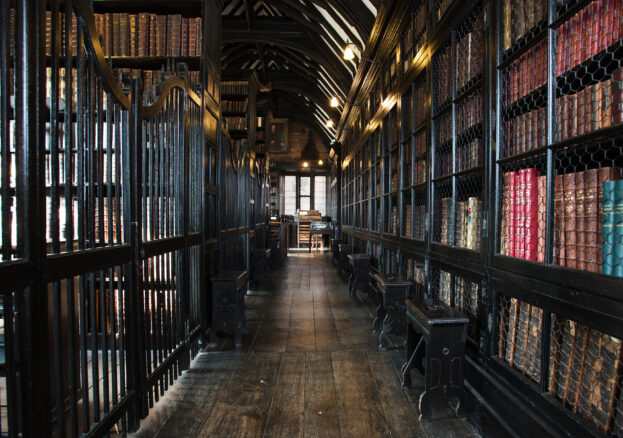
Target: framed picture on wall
x,y
278,136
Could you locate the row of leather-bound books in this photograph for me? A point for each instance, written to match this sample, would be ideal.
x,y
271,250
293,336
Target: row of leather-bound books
x,y
588,218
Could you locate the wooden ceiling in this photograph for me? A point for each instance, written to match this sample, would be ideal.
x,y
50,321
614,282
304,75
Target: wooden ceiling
x,y
296,48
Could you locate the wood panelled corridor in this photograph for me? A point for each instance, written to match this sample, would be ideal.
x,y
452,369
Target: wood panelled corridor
x,y
309,366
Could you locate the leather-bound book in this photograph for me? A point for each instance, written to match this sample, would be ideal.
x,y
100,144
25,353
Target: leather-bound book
x,y
606,105
580,113
192,37
606,174
512,214
133,34
142,42
570,220
116,33
504,219
617,96
541,217
592,245
522,208
124,34
531,214
161,35
579,220
559,222
532,365
153,35
617,266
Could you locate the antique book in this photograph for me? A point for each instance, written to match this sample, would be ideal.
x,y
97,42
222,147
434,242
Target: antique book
x,y
541,217
580,216
570,222
559,222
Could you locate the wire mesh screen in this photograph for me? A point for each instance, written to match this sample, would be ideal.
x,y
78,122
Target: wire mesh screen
x,y
414,272
468,214
521,21
519,335
443,210
586,368
587,206
469,48
442,77
523,209
420,101
469,131
419,214
443,145
459,293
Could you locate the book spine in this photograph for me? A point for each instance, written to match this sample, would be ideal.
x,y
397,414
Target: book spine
x,y
617,96
531,214
124,34
609,200
617,263
512,216
580,215
520,245
570,220
142,32
559,222
592,249
133,31
541,218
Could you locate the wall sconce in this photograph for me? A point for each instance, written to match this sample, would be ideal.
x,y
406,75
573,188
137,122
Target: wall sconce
x,y
329,123
320,162
305,164
334,102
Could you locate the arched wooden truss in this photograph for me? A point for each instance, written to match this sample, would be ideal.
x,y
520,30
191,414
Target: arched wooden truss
x,y
296,47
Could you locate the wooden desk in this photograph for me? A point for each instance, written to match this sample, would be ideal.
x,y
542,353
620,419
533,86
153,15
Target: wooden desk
x,y
436,335
359,272
390,314
345,250
228,292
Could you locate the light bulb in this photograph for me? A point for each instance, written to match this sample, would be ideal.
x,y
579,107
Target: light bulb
x,y
329,124
334,102
305,164
320,162
349,54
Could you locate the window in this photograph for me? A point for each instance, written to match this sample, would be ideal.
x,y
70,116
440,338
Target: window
x,y
320,194
310,196
290,195
305,200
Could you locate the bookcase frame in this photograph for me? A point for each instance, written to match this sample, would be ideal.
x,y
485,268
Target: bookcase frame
x,y
585,297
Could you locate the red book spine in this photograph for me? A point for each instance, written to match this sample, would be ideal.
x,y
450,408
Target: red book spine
x,y
541,218
595,20
520,247
512,213
531,214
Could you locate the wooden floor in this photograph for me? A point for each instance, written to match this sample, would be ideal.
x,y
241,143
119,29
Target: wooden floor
x,y
310,366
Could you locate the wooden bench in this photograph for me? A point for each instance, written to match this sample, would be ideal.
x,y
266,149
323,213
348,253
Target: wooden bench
x,y
228,292
359,272
436,335
392,293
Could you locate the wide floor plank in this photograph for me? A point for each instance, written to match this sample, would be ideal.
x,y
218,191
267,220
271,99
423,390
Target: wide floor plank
x,y
309,366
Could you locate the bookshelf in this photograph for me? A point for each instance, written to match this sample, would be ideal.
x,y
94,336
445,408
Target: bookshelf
x,y
536,153
457,136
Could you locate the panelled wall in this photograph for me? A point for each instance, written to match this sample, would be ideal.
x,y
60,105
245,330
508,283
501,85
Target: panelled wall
x,y
111,159
483,165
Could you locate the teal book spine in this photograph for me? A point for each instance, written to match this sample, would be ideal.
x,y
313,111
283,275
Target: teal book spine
x,y
608,228
617,265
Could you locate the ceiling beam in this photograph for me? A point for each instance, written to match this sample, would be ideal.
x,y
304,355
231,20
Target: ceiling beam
x,y
286,33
